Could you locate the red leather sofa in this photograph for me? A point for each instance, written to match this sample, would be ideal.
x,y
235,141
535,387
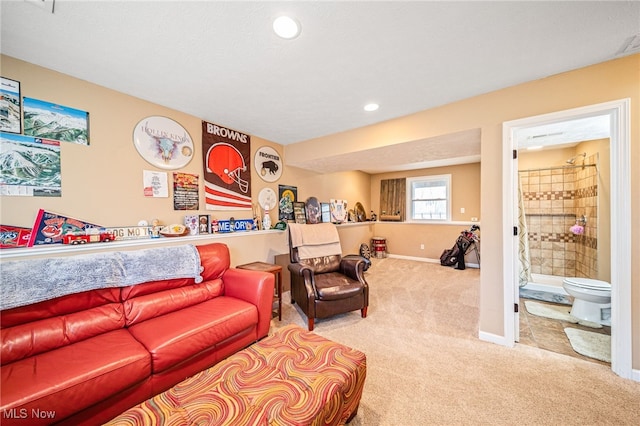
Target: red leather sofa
x,y
84,358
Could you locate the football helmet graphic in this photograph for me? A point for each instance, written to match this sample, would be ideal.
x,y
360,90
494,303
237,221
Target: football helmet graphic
x,y
226,161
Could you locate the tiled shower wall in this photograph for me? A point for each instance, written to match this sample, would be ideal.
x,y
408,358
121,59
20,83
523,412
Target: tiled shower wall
x,y
554,198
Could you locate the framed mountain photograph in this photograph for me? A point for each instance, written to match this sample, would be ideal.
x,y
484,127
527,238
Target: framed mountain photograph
x,y
47,120
10,106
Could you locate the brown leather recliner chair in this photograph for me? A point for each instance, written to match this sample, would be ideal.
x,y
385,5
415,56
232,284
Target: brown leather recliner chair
x,y
326,285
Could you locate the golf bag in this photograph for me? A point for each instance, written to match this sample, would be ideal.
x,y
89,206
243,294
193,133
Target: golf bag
x,y
455,255
449,257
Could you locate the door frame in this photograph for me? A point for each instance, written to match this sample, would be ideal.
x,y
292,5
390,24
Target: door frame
x,y
620,146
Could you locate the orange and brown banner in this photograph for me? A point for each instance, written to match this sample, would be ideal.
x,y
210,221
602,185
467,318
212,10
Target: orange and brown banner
x,y
227,172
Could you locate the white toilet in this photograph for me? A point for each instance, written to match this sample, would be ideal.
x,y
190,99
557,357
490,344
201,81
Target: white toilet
x,y
591,297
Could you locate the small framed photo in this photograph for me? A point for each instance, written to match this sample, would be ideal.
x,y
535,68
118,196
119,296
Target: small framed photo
x,y
339,212
299,212
204,224
10,106
325,210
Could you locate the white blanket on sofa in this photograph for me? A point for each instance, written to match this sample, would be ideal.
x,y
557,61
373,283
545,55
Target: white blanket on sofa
x,y
315,240
24,282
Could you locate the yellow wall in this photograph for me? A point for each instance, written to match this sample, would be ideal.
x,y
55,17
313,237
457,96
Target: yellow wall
x,y
354,186
608,81
406,239
465,188
102,182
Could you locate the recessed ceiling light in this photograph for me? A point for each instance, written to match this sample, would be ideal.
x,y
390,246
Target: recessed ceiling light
x,y
286,27
371,107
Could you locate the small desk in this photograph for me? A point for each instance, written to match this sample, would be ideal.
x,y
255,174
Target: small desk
x,y
276,270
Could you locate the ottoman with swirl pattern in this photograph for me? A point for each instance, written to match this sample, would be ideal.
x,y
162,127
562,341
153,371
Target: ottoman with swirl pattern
x,y
293,377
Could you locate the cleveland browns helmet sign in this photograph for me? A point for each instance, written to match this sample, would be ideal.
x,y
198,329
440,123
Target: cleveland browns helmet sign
x,y
227,176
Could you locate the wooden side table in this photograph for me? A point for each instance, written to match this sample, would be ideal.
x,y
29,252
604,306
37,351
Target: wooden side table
x,y
276,270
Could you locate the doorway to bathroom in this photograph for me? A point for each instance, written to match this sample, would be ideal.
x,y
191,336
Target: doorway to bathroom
x,y
551,130
563,219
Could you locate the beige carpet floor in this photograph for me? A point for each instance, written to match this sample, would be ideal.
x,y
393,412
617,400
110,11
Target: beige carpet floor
x,y
426,365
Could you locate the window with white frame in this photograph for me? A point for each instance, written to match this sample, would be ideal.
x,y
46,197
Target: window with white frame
x,y
429,198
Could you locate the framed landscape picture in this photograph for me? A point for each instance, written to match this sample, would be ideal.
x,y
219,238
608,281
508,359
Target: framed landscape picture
x,y
40,157
47,120
10,106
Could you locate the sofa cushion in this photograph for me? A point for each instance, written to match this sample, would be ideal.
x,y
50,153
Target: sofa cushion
x,y
335,286
33,338
152,287
73,377
322,264
142,308
59,306
187,332
215,260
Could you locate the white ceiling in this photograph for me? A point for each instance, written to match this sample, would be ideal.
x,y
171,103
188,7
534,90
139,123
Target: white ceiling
x,y
220,61
565,133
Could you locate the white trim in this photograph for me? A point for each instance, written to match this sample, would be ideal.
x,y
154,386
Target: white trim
x,y
416,258
621,326
494,338
509,241
349,224
621,331
56,249
409,195
428,260
431,223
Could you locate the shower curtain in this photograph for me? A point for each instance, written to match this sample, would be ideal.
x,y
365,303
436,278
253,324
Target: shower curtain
x,y
524,275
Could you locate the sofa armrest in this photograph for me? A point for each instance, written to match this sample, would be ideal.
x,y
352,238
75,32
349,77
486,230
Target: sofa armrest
x,y
254,287
353,267
308,278
303,287
300,269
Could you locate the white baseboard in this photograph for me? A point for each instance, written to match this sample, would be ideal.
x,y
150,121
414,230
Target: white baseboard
x,y
428,260
494,338
418,259
635,375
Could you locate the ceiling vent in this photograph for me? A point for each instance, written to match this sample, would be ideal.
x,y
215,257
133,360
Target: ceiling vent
x,y
630,46
547,135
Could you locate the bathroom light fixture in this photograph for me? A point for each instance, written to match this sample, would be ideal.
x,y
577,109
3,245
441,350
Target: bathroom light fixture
x,y
533,148
286,27
371,107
